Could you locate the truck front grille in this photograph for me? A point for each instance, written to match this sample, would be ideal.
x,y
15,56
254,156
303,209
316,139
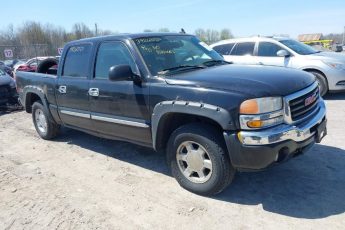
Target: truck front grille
x,y
304,105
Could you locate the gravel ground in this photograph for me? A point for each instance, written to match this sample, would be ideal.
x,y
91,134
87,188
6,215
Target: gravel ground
x,y
83,182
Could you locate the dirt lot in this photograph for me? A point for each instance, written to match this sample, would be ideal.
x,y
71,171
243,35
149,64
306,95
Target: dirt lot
x,y
82,182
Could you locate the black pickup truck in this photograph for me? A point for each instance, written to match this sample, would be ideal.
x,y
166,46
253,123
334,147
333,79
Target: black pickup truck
x,y
172,92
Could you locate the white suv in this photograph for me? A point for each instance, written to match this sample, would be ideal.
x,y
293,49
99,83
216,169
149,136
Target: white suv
x,y
328,67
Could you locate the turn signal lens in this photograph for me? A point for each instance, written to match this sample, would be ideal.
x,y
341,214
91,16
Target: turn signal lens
x,y
249,107
255,124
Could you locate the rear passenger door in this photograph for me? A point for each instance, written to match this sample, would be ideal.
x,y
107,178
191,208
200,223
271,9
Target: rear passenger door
x,y
73,85
267,55
243,53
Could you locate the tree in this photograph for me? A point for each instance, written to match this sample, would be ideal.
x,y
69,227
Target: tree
x,y
80,30
201,34
163,30
212,36
225,34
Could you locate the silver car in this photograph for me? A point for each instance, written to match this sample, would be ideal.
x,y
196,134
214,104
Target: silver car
x,y
328,67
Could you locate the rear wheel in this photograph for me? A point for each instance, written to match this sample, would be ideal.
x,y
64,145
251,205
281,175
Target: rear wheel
x,y
46,128
199,160
323,85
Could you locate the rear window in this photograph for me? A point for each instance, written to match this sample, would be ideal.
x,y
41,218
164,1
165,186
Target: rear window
x,y
77,61
244,48
224,49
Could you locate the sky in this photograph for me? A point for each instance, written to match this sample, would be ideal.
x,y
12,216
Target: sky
x,y
243,18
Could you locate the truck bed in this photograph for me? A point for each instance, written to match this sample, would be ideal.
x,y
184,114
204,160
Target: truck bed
x,y
44,82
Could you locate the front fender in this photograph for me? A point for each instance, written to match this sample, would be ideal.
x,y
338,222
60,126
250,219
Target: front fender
x,y
218,114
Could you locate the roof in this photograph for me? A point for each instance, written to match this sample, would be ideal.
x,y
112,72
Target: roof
x,y
309,37
126,36
250,39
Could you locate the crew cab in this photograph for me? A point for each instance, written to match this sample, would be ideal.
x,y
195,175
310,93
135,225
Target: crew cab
x,y
175,94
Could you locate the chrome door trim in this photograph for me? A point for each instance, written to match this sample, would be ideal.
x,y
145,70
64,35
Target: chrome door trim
x,y
120,121
76,114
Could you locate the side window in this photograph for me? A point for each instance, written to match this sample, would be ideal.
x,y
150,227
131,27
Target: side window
x,y
224,49
77,61
268,49
244,48
111,54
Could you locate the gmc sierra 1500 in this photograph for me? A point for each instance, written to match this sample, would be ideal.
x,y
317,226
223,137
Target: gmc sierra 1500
x,y
172,92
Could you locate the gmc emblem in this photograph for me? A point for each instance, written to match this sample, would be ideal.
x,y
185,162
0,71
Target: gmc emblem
x,y
310,100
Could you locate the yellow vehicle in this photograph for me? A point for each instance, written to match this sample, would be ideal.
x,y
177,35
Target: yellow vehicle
x,y
324,43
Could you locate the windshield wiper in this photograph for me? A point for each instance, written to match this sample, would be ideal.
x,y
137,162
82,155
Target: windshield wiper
x,y
215,62
180,68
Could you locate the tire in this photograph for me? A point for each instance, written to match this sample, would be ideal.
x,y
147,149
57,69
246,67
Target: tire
x,y
46,128
44,66
322,82
198,138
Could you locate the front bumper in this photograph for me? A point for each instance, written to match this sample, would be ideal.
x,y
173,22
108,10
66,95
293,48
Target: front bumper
x,y
336,80
256,150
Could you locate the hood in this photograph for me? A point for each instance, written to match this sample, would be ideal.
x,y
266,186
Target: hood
x,y
338,57
6,80
254,81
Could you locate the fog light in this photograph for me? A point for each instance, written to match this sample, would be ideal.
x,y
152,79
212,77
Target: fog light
x,y
239,136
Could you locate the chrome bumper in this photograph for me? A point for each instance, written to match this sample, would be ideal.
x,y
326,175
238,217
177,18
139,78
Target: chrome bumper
x,y
297,132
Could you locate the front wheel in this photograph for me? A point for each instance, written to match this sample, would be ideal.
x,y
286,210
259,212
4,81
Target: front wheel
x,y
323,85
199,160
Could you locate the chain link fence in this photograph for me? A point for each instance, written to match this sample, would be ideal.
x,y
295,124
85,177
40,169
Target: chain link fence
x,y
27,51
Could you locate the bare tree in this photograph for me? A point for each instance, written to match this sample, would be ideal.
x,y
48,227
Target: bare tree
x,y
225,34
33,38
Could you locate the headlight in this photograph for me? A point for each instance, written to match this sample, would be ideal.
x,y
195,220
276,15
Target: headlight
x,y
261,112
335,65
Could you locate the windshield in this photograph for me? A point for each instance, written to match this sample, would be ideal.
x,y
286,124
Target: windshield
x,y
299,47
170,52
2,72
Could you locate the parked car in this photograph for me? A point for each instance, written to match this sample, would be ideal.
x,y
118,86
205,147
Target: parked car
x,y
30,65
338,48
10,63
172,92
20,62
327,67
5,68
8,93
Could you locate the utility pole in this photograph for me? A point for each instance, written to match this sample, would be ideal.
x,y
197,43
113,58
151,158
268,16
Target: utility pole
x,y
344,36
96,29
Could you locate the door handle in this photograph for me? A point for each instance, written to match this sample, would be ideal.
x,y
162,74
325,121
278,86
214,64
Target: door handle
x,y
94,92
62,89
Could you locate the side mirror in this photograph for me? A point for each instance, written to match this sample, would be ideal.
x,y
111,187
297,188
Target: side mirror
x,y
122,73
283,53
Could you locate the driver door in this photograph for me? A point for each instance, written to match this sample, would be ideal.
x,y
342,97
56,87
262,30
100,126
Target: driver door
x,y
118,108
